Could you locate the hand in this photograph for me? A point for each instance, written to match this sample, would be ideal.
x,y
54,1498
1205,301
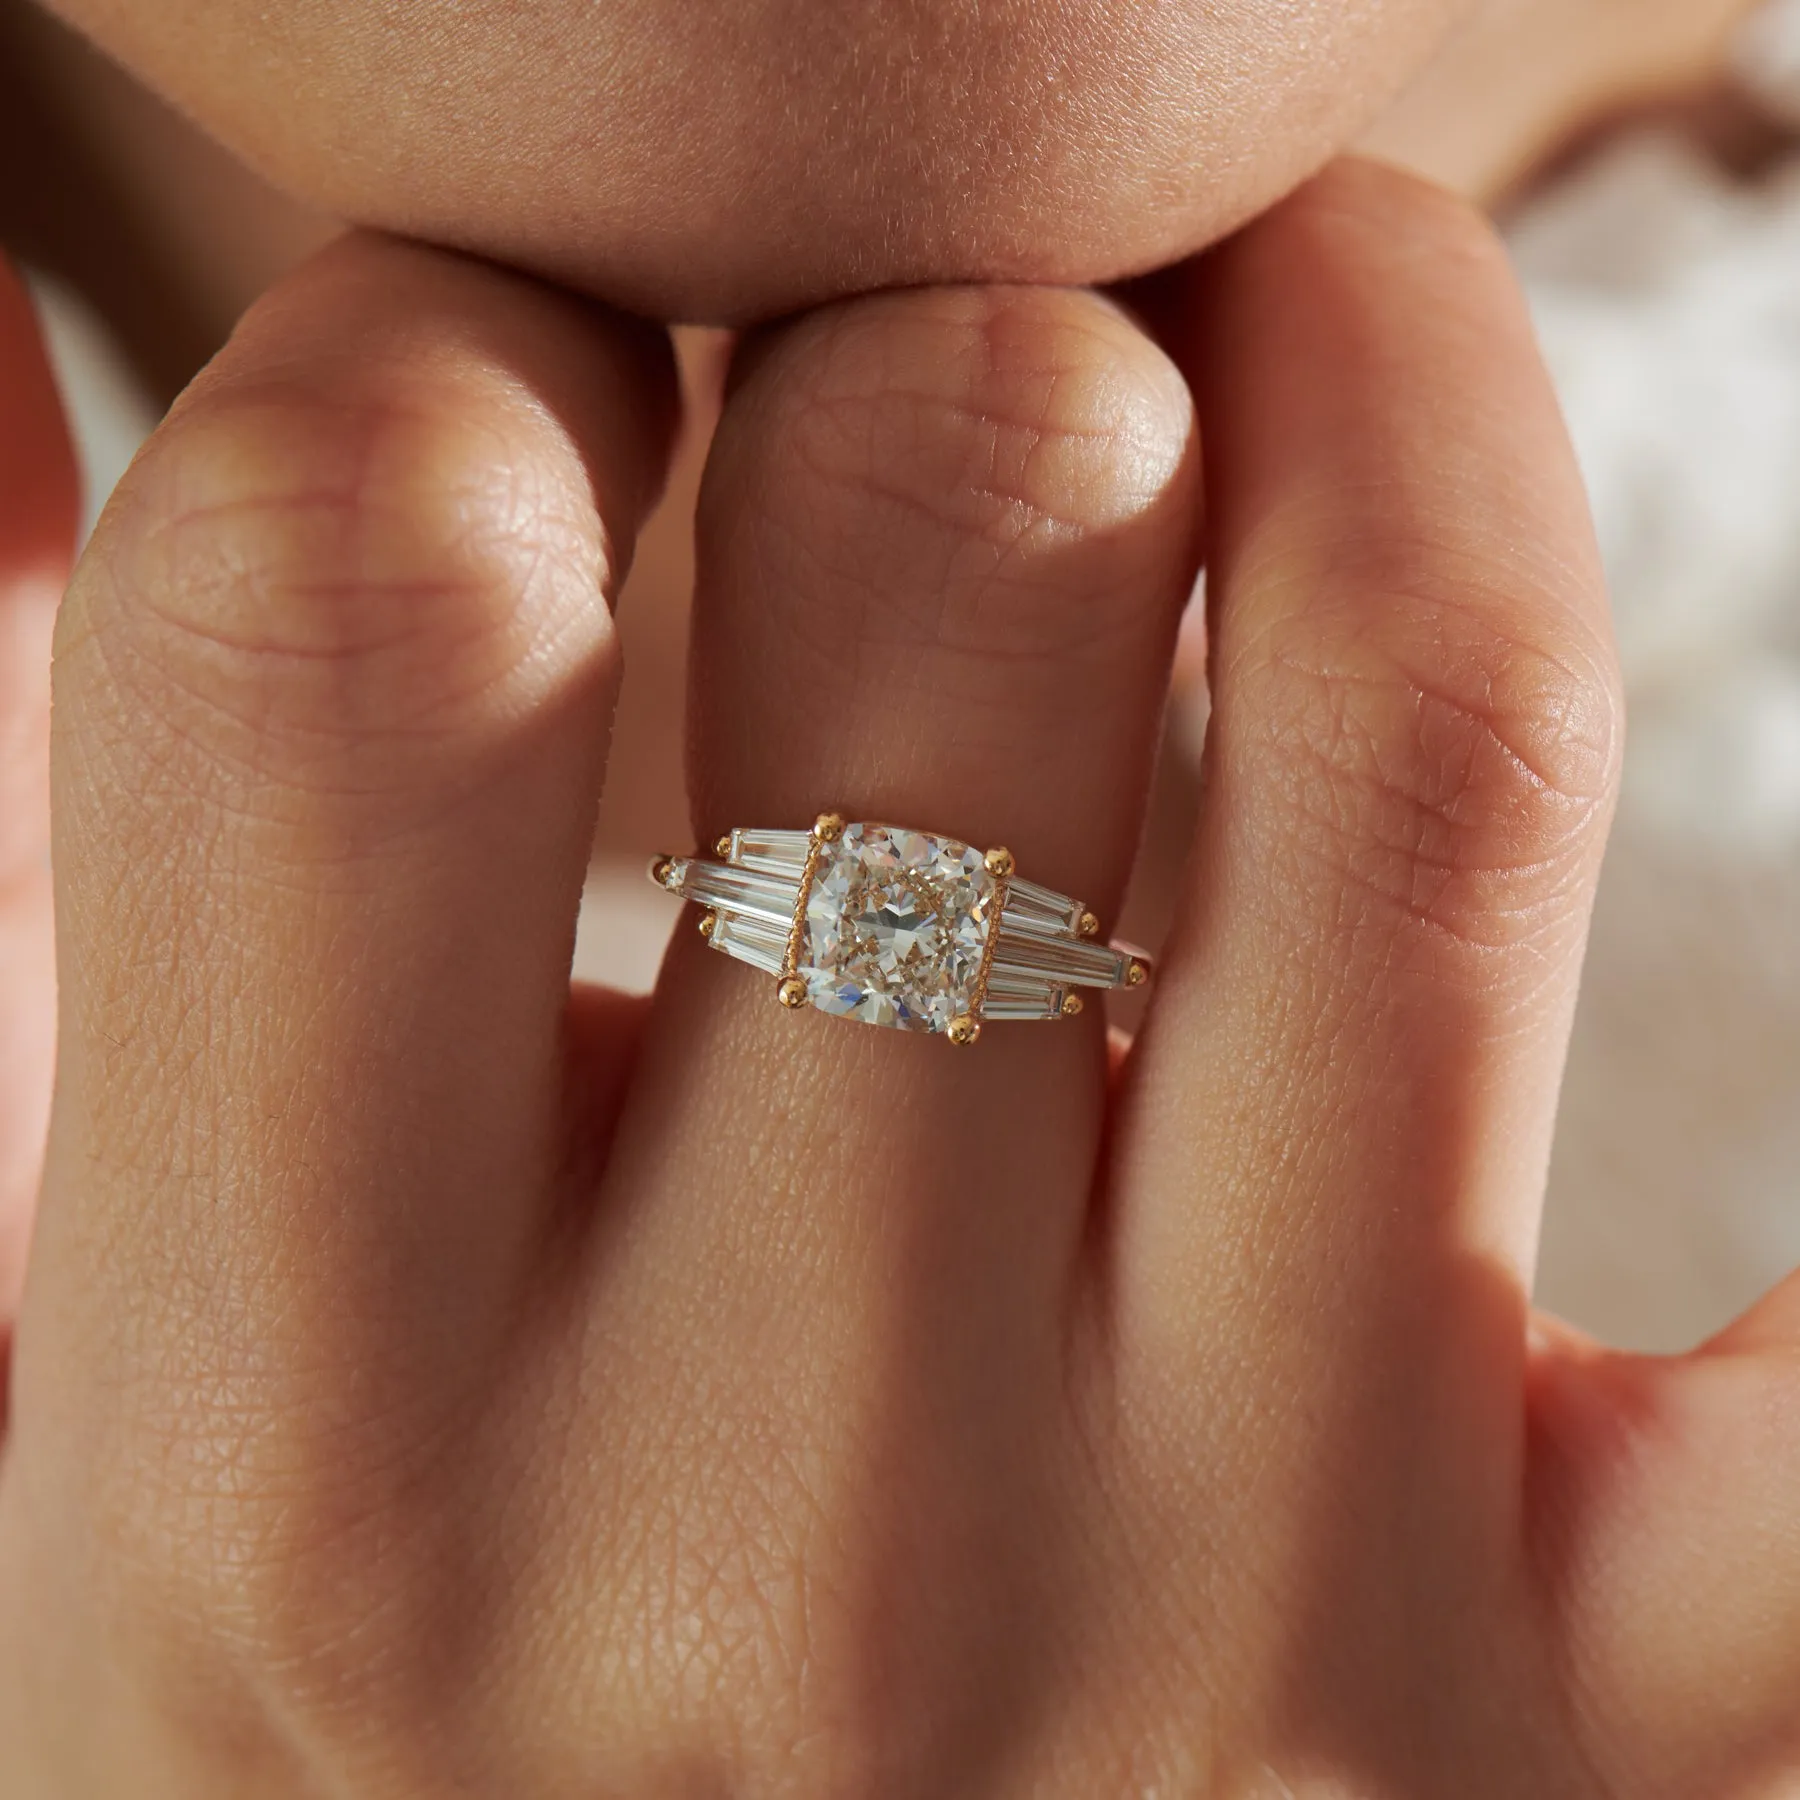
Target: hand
x,y
732,164
428,1384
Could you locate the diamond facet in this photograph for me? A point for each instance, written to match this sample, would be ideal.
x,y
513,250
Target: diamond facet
x,y
897,924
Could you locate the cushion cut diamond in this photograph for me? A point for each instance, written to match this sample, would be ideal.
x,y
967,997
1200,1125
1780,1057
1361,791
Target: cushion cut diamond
x,y
897,924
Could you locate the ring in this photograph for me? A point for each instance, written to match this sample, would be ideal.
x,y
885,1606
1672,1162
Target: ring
x,y
898,928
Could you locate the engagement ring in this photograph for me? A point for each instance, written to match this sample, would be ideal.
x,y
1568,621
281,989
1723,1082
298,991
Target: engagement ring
x,y
898,928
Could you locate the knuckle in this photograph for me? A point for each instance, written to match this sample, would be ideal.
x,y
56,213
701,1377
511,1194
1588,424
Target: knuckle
x,y
296,557
1016,453
1450,752
715,1537
305,1554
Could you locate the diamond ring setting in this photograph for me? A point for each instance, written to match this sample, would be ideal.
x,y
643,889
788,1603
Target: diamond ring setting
x,y
899,928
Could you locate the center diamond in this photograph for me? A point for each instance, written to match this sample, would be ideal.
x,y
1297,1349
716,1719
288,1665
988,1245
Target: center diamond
x,y
897,925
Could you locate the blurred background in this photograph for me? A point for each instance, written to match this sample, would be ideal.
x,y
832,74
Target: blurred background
x,y
1644,158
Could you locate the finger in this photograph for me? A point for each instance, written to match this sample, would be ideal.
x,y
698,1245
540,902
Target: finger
x,y
39,500
944,544
1343,1105
1772,1324
333,690
1667,1520
1665,1527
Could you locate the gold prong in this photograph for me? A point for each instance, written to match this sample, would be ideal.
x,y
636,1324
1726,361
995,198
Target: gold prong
x,y
709,923
1136,974
659,870
722,847
1088,925
999,862
963,1029
828,827
792,991
1071,1006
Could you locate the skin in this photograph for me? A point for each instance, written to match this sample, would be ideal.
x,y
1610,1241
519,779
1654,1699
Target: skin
x,y
733,162
170,236
37,537
1524,78
430,1382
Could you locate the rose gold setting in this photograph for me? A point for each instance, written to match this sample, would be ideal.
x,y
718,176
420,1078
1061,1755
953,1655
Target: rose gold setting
x,y
996,910
827,828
